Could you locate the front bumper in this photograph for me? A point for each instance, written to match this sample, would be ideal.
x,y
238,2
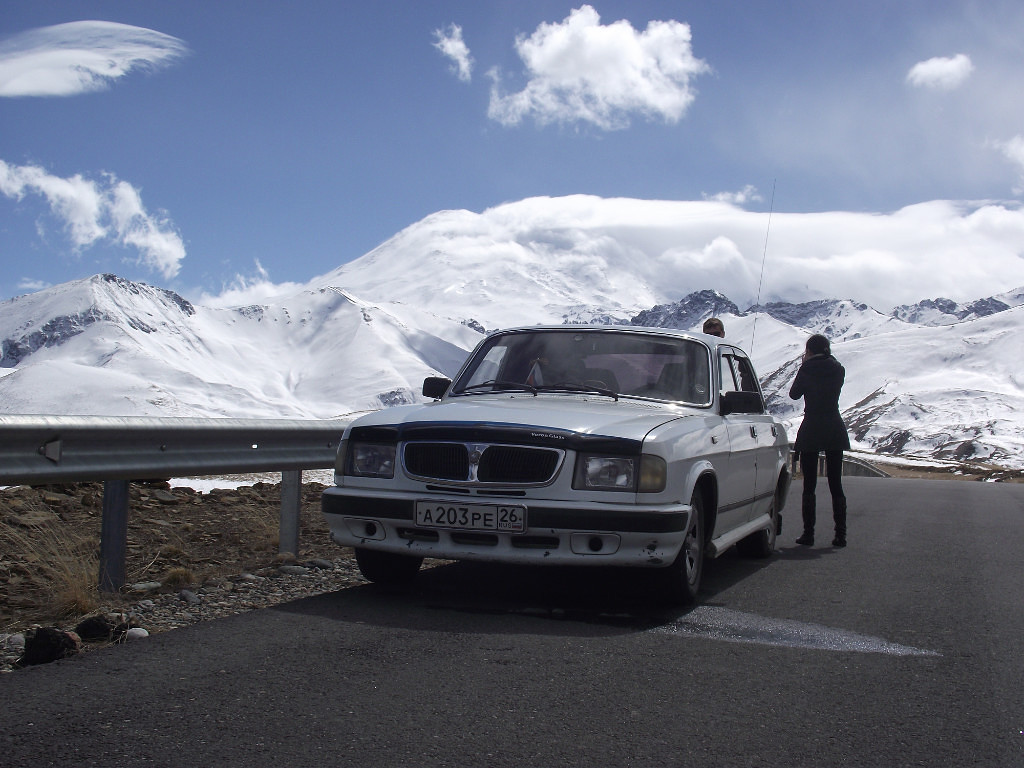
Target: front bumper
x,y
558,533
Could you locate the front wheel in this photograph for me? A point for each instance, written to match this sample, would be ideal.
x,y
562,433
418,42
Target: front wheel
x,y
681,580
387,568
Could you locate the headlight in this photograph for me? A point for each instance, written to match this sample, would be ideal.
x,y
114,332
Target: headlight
x,y
370,460
605,473
620,473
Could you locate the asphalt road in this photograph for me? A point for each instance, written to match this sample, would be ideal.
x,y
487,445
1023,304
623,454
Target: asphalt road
x,y
905,648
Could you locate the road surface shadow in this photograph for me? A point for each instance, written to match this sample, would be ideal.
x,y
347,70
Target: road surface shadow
x,y
798,552
490,597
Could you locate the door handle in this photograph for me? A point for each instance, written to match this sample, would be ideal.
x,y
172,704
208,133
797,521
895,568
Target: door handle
x,y
753,431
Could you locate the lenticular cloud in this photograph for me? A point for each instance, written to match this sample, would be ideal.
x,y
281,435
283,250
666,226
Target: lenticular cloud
x,y
583,71
80,57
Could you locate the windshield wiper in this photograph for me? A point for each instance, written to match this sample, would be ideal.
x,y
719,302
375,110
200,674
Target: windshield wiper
x,y
497,385
571,386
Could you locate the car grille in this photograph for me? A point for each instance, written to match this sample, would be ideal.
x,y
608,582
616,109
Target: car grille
x,y
482,463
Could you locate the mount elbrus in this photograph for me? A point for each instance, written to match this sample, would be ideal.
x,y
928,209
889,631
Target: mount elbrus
x,y
935,379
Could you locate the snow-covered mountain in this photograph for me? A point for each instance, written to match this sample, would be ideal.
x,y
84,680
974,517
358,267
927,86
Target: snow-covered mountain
x,y
946,312
689,312
934,379
106,346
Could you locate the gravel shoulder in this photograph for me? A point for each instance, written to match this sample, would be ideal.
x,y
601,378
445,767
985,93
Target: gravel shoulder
x,y
191,556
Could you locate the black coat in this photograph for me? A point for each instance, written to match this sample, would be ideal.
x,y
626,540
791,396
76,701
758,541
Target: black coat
x,y
818,382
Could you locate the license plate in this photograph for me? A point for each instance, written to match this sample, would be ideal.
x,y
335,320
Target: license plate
x,y
510,518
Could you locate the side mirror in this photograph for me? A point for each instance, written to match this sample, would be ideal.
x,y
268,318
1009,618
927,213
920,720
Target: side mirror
x,y
741,402
434,387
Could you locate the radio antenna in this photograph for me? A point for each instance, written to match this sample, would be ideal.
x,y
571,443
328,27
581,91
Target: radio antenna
x,y
764,256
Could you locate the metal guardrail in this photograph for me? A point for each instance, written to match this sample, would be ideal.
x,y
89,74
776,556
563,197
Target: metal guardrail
x,y
36,450
852,466
47,449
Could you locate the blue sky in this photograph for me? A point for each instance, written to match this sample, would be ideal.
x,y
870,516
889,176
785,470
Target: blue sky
x,y
202,146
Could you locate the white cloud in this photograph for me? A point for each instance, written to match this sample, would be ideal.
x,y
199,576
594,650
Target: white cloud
x,y
81,56
30,285
450,43
245,291
1014,152
160,247
748,194
958,250
582,71
76,201
92,211
941,73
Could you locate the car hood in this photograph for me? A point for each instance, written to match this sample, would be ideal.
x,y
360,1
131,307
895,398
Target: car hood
x,y
585,416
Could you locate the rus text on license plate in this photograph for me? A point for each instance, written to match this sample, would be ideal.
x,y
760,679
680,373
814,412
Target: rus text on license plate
x,y
472,517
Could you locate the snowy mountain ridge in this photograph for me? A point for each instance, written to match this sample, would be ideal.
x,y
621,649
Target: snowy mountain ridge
x,y
933,379
107,346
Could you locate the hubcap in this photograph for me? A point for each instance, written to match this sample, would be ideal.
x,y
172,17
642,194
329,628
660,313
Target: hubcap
x,y
692,552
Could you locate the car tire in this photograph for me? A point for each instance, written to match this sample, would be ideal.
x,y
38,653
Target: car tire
x,y
387,568
762,543
681,580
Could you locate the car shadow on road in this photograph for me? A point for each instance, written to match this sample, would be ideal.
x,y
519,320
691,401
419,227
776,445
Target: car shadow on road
x,y
488,597
798,552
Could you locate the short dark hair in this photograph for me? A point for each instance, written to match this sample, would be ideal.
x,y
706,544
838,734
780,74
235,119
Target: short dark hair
x,y
713,326
818,345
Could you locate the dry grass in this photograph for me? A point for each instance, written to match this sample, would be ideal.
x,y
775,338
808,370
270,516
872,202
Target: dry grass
x,y
178,577
266,526
58,574
49,543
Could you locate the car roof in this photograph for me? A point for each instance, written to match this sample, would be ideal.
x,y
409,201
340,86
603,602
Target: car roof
x,y
711,341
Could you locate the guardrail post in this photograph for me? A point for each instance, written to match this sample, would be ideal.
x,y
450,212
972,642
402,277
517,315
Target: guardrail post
x,y
113,535
291,503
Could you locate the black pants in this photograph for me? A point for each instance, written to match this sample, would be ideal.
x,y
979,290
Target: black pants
x,y
833,470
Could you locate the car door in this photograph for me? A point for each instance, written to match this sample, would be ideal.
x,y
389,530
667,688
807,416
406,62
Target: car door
x,y
738,488
755,434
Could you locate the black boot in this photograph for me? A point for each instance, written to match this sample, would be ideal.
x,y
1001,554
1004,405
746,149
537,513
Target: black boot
x,y
839,513
807,510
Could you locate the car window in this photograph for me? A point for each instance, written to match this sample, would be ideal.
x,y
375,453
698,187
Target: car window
x,y
636,364
489,366
737,373
728,375
745,375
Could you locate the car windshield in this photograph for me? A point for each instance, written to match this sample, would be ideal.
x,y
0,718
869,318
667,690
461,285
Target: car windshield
x,y
609,363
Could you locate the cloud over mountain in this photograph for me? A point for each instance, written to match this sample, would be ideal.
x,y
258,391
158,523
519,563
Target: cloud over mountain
x,y
624,255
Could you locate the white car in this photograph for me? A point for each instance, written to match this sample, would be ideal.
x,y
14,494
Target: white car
x,y
569,445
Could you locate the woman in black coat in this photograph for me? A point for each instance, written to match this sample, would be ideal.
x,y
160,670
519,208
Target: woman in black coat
x,y
819,382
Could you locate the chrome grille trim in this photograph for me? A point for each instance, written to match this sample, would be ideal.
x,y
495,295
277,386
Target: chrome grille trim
x,y
485,464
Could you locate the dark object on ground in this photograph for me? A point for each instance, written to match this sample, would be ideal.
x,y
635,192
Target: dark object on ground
x,y
47,644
